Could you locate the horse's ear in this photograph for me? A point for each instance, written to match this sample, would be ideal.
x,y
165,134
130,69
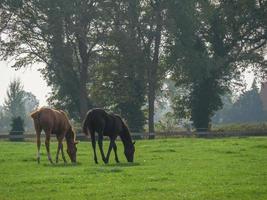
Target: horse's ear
x,y
134,143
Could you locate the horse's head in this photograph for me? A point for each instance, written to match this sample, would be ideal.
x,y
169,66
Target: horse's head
x,y
71,150
129,152
71,147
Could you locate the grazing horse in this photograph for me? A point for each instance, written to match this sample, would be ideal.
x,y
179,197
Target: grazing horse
x,y
111,125
54,122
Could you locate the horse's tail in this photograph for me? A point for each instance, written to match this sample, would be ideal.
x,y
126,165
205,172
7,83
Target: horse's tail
x,y
35,115
85,125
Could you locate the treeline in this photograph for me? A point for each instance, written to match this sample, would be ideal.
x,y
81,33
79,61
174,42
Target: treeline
x,y
247,108
118,54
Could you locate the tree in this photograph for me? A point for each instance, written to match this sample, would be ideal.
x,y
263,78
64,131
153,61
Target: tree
x,y
129,72
119,78
18,103
17,128
31,103
65,35
210,44
14,104
248,108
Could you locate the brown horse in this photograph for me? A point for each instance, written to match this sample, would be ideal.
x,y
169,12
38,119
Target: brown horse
x,y
54,122
111,125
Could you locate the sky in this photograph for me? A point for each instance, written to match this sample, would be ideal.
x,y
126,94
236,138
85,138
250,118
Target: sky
x,y
34,82
30,77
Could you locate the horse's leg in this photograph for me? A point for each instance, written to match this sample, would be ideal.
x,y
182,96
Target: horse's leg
x,y
100,144
92,133
60,148
47,141
38,141
112,144
115,152
62,153
38,131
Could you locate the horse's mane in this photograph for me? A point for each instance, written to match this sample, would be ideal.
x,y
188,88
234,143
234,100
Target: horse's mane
x,y
71,128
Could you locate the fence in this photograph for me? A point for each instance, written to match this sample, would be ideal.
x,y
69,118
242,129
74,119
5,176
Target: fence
x,y
137,136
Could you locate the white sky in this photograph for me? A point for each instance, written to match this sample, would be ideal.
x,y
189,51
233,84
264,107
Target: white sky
x,y
31,79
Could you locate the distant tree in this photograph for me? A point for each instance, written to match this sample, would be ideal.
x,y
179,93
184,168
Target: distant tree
x,y
17,128
31,103
2,123
14,104
18,103
248,108
221,116
4,120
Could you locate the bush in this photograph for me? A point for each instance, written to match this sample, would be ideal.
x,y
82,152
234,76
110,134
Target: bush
x,y
17,128
240,127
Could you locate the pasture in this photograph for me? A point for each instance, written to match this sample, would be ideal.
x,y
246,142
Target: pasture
x,y
186,168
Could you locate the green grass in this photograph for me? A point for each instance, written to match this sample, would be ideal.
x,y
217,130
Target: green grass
x,y
190,168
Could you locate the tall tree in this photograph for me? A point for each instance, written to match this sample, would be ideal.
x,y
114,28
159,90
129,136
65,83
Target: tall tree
x,y
136,34
65,35
210,44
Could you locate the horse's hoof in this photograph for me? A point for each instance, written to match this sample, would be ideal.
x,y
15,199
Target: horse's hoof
x,y
105,161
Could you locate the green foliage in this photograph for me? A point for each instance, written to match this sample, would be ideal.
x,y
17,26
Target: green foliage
x,y
119,82
196,169
17,128
116,54
209,45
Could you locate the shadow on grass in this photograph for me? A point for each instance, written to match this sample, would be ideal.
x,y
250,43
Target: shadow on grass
x,y
122,164
260,146
163,151
61,164
29,160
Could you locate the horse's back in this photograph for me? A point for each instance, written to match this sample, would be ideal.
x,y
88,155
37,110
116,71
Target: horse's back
x,y
100,121
52,120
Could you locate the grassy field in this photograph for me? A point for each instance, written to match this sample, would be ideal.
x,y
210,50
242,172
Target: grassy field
x,y
190,168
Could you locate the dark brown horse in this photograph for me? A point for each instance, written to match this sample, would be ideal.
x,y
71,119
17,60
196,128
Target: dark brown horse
x,y
54,122
111,125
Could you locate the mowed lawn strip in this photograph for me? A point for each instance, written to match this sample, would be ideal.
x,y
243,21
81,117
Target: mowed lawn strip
x,y
187,168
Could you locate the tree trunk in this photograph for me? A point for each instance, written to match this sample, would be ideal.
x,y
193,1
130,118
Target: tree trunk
x,y
83,91
83,51
151,100
152,73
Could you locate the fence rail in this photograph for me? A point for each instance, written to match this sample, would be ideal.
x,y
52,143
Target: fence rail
x,y
136,136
